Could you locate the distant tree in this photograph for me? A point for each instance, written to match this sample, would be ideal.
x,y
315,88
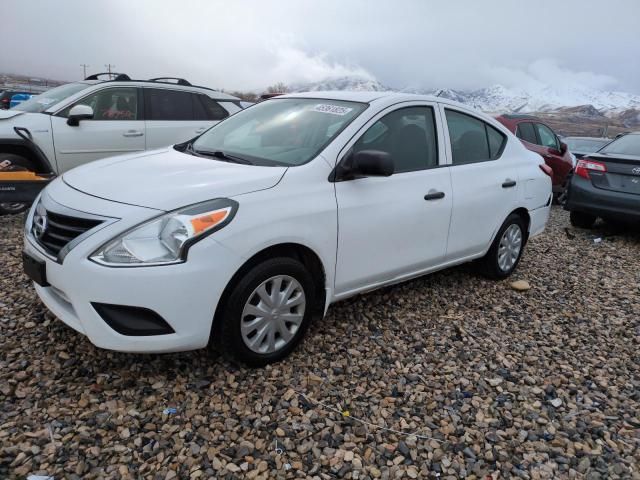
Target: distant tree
x,y
246,96
278,88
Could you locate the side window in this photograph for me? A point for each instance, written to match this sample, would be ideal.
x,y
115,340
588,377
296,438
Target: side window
x,y
526,132
213,110
110,104
547,137
408,135
473,140
162,104
497,140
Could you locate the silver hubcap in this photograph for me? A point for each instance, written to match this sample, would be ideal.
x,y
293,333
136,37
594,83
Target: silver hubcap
x,y
273,314
509,249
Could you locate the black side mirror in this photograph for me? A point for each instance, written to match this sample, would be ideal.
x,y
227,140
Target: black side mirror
x,y
365,163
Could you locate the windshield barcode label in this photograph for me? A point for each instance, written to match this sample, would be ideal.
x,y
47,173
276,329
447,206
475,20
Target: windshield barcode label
x,y
333,109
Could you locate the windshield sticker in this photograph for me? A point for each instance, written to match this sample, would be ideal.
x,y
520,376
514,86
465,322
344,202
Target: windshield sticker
x,y
332,109
45,101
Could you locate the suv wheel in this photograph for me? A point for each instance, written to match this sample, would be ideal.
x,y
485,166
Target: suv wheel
x,y
506,250
266,313
17,164
582,219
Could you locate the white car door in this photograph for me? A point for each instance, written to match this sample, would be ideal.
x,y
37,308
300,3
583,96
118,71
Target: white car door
x,y
391,227
175,116
116,128
484,180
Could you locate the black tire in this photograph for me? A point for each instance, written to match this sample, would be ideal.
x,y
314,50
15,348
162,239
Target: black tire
x,y
227,336
582,219
18,164
489,265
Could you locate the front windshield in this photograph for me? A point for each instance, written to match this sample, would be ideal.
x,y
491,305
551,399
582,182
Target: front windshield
x,y
280,131
585,145
49,98
627,145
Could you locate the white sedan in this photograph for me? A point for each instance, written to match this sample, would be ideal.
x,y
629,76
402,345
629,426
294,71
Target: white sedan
x,y
239,238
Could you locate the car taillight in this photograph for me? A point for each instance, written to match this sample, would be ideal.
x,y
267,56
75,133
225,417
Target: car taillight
x,y
546,169
584,165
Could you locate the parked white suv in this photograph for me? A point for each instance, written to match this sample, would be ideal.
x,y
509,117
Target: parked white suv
x,y
239,237
84,121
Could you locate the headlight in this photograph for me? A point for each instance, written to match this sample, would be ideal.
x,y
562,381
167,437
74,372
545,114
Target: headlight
x,y
166,239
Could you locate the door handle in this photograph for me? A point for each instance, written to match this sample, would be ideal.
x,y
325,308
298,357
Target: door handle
x,y
133,133
434,196
509,183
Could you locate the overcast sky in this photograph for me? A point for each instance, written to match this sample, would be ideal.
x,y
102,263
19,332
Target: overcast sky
x,y
244,44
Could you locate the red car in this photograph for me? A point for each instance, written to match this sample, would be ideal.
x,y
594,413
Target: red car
x,y
540,138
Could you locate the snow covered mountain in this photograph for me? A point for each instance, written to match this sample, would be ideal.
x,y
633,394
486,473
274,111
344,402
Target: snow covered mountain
x,y
498,98
357,84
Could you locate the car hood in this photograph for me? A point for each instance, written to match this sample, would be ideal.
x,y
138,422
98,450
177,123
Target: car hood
x,y
4,114
168,179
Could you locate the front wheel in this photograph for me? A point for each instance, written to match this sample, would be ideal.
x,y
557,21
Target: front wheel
x,y
266,313
505,252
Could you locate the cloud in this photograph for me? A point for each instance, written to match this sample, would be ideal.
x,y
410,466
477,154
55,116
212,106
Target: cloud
x,y
293,65
547,71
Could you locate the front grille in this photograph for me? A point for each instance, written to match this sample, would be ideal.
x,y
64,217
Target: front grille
x,y
60,230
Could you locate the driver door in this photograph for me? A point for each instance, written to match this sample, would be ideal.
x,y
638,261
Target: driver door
x,y
393,227
117,127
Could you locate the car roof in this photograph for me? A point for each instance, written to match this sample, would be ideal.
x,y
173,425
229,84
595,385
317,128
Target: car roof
x,y
371,96
578,137
156,84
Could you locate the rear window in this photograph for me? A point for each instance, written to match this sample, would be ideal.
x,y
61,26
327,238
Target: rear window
x,y
626,145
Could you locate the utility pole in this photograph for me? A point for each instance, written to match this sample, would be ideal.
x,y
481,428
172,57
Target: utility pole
x,y
108,65
84,70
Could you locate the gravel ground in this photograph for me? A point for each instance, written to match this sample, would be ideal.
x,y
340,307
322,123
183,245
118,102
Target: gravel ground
x,y
471,377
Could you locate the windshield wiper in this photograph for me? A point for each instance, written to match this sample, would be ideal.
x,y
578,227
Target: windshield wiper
x,y
219,154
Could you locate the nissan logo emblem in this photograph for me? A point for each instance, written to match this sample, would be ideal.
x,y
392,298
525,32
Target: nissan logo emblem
x,y
39,224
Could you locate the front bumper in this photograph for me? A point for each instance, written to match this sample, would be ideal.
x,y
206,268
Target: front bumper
x,y
582,196
184,295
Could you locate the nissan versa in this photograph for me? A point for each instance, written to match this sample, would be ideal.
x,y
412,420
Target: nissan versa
x,y
242,236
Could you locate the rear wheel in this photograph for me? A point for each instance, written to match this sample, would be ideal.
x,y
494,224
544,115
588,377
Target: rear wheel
x,y
14,163
505,252
582,219
266,313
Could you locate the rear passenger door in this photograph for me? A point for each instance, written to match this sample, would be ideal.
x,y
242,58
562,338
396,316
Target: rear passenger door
x,y
174,116
484,182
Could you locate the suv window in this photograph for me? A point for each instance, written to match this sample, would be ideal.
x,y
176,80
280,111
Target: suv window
x,y
206,108
110,104
546,136
164,104
473,140
526,132
408,135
